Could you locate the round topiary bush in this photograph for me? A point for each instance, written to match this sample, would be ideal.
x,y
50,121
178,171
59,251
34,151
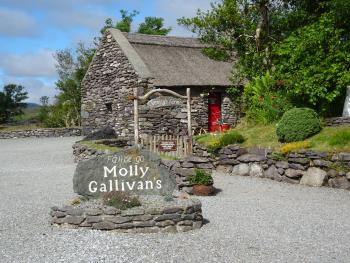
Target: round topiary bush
x,y
298,124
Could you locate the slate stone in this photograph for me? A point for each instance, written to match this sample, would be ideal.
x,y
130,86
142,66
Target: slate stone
x,y
167,217
344,156
296,166
144,224
247,158
172,210
228,161
196,159
133,212
314,177
111,210
339,182
93,170
348,175
282,164
74,220
105,225
332,173
93,219
204,166
168,229
241,169
187,165
322,163
93,212
75,211
291,173
299,160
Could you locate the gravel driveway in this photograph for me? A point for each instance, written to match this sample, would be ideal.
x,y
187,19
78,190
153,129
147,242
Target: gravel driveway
x,y
251,220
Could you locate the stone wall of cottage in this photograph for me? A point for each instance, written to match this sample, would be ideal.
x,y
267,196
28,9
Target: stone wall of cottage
x,y
107,89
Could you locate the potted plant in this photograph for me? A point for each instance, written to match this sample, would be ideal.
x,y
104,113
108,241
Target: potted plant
x,y
202,183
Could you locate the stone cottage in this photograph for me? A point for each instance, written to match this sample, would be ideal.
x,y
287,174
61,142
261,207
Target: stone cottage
x,y
124,61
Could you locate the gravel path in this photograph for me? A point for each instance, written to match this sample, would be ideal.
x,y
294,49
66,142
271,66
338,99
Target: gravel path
x,y
251,220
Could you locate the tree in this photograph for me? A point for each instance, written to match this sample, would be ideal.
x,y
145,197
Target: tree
x,y
71,68
153,26
124,24
11,101
288,39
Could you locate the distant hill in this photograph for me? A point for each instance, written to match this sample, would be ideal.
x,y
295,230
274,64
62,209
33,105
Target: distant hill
x,y
31,105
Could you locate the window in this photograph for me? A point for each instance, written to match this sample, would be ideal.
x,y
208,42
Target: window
x,y
109,106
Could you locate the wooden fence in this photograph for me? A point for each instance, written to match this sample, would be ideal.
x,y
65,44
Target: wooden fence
x,y
162,144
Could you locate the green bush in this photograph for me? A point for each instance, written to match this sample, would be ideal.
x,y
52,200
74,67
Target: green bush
x,y
339,138
298,124
231,137
264,101
201,178
120,200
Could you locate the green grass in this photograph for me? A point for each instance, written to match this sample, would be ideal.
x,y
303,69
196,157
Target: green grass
x,y
331,139
29,115
100,147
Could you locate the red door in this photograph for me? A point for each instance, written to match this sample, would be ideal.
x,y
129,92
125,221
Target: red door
x,y
214,111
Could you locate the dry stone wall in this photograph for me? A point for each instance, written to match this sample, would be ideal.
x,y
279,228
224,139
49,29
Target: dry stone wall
x,y
47,132
302,167
179,215
338,121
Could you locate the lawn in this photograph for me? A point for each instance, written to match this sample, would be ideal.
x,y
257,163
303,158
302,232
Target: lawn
x,y
329,139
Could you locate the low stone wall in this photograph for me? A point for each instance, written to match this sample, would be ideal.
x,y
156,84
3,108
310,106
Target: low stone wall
x,y
183,169
303,167
45,132
180,215
338,121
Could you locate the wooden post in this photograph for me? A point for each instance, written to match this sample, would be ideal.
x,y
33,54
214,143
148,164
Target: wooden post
x,y
136,117
189,122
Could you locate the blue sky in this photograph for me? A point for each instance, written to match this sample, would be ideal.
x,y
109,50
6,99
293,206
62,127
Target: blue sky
x,y
32,30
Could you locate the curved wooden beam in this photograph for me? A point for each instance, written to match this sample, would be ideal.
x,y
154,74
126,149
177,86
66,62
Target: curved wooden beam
x,y
144,97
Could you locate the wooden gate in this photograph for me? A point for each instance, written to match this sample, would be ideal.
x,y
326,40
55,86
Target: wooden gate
x,y
167,145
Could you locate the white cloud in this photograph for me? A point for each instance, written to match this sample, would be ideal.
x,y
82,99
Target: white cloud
x,y
16,23
41,63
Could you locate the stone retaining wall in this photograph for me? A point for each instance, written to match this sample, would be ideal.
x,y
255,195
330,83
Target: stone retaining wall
x,y
303,167
338,121
45,132
178,216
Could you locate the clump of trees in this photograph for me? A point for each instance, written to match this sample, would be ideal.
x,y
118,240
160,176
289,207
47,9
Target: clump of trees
x,y
11,102
73,65
290,53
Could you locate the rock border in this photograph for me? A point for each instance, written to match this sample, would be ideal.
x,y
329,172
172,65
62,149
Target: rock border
x,y
171,218
41,133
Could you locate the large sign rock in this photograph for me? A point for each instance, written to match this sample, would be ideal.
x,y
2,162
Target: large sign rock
x,y
131,170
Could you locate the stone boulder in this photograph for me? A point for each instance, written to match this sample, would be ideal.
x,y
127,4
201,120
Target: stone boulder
x,y
291,173
272,173
241,169
314,177
247,158
131,170
256,170
339,182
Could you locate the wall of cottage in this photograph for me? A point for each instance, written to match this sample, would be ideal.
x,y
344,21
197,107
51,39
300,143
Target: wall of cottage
x,y
110,80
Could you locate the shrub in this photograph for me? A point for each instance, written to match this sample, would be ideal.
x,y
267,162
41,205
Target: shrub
x,y
339,138
120,200
295,146
214,144
277,156
298,124
231,137
265,102
201,177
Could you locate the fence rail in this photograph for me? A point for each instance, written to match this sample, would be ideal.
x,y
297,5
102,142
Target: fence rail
x,y
183,146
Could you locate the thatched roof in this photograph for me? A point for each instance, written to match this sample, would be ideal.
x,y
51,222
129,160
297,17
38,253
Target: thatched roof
x,y
174,61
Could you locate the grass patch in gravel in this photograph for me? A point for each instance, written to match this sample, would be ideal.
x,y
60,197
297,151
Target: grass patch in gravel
x,y
101,147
